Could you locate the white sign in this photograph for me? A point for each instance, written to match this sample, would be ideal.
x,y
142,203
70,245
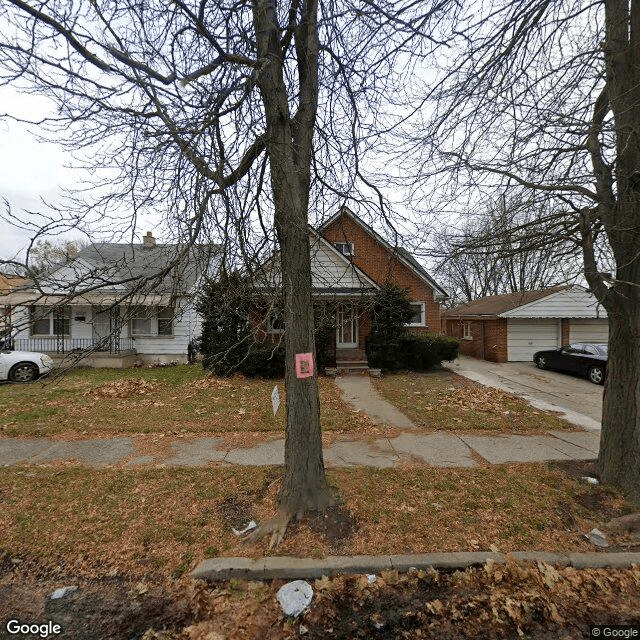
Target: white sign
x,y
275,399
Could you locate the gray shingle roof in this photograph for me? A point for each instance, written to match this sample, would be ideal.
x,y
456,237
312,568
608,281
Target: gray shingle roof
x,y
135,263
495,305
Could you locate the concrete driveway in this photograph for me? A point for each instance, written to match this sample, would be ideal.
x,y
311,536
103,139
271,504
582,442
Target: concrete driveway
x,y
578,399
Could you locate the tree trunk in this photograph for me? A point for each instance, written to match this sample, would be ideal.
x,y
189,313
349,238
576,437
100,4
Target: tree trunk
x,y
619,458
289,146
305,486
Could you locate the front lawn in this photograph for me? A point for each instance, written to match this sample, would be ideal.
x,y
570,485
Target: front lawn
x,y
88,403
99,521
443,400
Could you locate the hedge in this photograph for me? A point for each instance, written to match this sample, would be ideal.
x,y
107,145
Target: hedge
x,y
415,352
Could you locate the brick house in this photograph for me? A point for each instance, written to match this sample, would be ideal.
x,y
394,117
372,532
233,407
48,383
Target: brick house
x,y
512,327
349,262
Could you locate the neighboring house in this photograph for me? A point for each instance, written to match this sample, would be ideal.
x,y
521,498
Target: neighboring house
x,y
512,327
349,262
8,283
109,305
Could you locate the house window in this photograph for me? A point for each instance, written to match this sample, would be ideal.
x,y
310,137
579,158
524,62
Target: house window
x,y
50,322
165,321
466,331
275,322
141,321
345,248
417,319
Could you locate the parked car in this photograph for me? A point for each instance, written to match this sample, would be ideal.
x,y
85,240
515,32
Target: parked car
x,y
23,366
584,359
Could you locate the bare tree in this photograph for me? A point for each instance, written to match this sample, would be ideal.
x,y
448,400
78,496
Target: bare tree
x,y
545,97
230,117
496,251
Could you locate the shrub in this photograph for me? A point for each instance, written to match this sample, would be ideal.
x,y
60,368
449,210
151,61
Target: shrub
x,y
390,313
416,352
224,306
263,361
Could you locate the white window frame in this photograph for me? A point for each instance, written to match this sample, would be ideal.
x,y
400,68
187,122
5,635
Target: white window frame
x,y
141,313
273,314
422,322
38,314
170,315
467,330
341,246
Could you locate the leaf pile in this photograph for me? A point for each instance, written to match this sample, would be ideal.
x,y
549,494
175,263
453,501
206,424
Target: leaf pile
x,y
495,601
124,388
477,398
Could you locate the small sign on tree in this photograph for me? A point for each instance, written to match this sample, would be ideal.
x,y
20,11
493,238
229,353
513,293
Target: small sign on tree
x,y
304,365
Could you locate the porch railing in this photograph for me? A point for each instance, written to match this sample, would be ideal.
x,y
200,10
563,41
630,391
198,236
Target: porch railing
x,y
69,345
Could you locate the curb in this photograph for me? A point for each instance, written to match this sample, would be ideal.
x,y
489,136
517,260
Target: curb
x,y
290,568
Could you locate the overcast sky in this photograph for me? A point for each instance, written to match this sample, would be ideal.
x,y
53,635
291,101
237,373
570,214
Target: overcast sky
x,y
29,170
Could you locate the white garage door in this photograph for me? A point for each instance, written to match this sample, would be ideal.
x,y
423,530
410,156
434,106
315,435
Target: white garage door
x,y
589,330
526,336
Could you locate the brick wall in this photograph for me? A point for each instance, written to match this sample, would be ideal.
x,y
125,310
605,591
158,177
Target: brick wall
x,y
488,337
565,329
382,267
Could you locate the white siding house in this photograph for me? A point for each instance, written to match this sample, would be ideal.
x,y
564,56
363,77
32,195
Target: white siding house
x,y
114,304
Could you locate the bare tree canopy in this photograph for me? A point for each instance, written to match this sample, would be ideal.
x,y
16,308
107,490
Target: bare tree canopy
x,y
228,118
501,250
545,97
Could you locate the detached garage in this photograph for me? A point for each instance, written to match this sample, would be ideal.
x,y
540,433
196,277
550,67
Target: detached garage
x,y
514,326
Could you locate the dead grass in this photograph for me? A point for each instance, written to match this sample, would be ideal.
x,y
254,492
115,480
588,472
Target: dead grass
x,y
98,521
443,400
89,403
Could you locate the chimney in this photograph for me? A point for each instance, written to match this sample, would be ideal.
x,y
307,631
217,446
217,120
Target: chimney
x,y
148,242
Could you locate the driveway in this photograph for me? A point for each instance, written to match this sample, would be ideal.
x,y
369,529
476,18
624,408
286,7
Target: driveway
x,y
578,399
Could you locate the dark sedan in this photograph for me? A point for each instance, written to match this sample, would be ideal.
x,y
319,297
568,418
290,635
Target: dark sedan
x,y
581,358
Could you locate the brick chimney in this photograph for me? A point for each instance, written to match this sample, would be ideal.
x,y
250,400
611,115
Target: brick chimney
x,y
148,242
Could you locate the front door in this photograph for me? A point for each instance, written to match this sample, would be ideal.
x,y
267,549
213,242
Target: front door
x,y
347,331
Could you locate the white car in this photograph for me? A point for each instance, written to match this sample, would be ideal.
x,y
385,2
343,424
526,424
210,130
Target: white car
x,y
23,366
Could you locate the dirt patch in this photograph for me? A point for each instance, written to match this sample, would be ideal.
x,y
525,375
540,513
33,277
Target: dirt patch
x,y
236,512
109,608
494,601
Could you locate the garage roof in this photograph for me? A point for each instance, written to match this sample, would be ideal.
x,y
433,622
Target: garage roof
x,y
565,301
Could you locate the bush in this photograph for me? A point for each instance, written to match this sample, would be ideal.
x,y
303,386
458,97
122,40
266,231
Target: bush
x,y
263,361
416,352
224,306
390,313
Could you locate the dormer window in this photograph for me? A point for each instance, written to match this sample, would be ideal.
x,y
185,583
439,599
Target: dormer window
x,y
345,248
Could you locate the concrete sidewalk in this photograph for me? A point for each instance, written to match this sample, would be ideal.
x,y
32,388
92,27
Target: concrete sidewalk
x,y
435,449
440,449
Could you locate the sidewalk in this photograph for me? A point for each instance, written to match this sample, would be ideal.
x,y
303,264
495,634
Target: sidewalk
x,y
434,449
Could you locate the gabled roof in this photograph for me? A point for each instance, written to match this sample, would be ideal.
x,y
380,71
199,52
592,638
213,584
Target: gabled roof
x,y
108,272
403,256
332,273
133,262
563,301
